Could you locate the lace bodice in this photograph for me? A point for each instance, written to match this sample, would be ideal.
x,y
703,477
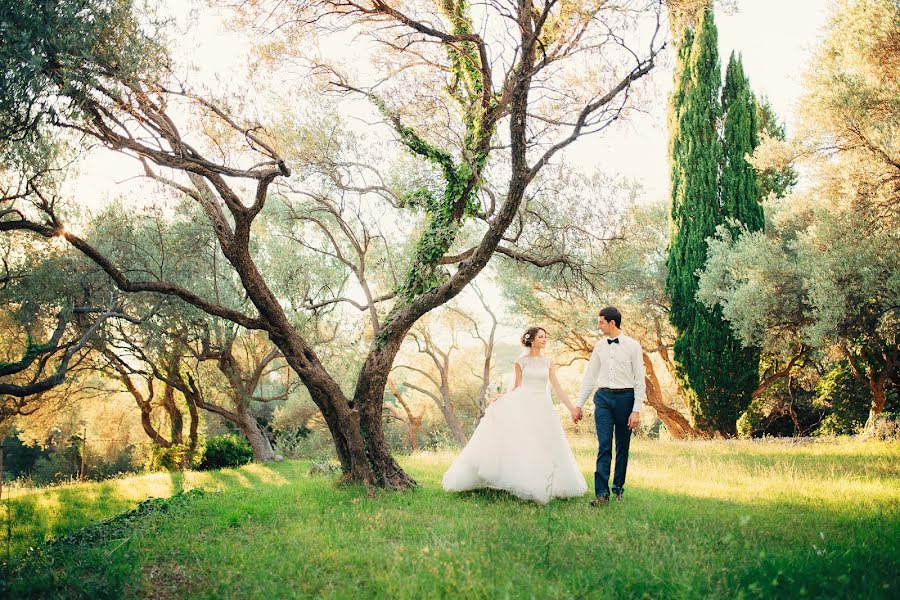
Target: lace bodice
x,y
535,372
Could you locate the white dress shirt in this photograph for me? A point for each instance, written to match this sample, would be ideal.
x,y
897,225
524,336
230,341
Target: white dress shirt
x,y
615,366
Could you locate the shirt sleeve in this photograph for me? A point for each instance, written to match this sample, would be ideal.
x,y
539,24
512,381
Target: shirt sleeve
x,y
590,376
640,382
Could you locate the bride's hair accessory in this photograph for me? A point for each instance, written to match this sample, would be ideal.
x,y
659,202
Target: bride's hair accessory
x,y
530,334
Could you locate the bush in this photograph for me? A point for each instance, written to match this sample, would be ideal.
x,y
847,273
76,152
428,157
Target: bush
x,y
438,437
53,468
395,434
173,458
229,450
752,420
833,425
315,444
847,399
47,466
19,459
289,441
105,467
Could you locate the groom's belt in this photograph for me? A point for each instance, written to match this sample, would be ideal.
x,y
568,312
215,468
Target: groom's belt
x,y
616,390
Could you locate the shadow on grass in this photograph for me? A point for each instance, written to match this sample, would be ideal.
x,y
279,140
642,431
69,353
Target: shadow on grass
x,y
177,479
98,561
43,515
655,544
229,479
35,519
660,544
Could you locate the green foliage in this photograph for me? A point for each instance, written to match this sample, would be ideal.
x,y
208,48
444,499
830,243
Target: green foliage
x,y
54,54
173,458
783,411
55,467
717,373
290,534
229,450
32,350
61,461
18,458
750,421
848,401
739,185
807,280
45,283
833,425
444,217
703,354
316,445
462,179
464,58
694,155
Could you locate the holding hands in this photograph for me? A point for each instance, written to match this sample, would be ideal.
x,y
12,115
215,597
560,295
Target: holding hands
x,y
575,410
634,419
577,414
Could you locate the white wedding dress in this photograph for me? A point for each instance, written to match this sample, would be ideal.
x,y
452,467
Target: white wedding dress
x,y
519,445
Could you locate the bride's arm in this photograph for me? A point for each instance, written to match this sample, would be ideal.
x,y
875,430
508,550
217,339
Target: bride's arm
x,y
518,370
559,391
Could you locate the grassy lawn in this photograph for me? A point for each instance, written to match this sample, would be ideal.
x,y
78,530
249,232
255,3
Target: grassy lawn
x,y
700,520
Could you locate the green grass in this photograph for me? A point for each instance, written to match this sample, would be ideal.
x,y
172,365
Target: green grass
x,y
700,520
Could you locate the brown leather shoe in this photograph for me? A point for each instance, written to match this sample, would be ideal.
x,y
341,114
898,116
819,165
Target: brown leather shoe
x,y
619,497
600,501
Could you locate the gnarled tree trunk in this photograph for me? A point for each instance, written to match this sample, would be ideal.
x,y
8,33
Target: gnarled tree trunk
x,y
145,405
259,441
877,386
677,426
453,424
368,399
176,421
875,372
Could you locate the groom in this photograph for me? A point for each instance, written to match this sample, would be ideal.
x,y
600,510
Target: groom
x,y
616,368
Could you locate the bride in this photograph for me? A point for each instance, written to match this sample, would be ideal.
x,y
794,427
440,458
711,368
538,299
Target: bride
x,y
519,445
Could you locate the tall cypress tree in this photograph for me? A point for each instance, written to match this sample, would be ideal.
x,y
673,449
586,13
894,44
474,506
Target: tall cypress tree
x,y
739,184
677,141
740,201
717,374
695,153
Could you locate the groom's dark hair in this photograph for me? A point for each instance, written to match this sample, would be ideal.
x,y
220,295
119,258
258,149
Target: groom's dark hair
x,y
611,313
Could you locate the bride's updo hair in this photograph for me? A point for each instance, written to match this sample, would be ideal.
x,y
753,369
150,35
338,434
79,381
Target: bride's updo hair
x,y
530,334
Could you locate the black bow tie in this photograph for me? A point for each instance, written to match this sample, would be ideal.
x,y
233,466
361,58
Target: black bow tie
x,y
613,341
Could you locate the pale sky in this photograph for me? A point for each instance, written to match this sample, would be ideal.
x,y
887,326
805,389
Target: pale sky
x,y
775,38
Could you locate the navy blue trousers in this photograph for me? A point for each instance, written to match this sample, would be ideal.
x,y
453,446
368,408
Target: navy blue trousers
x,y
611,412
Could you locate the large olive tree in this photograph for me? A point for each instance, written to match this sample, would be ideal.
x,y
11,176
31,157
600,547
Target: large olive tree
x,y
516,84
